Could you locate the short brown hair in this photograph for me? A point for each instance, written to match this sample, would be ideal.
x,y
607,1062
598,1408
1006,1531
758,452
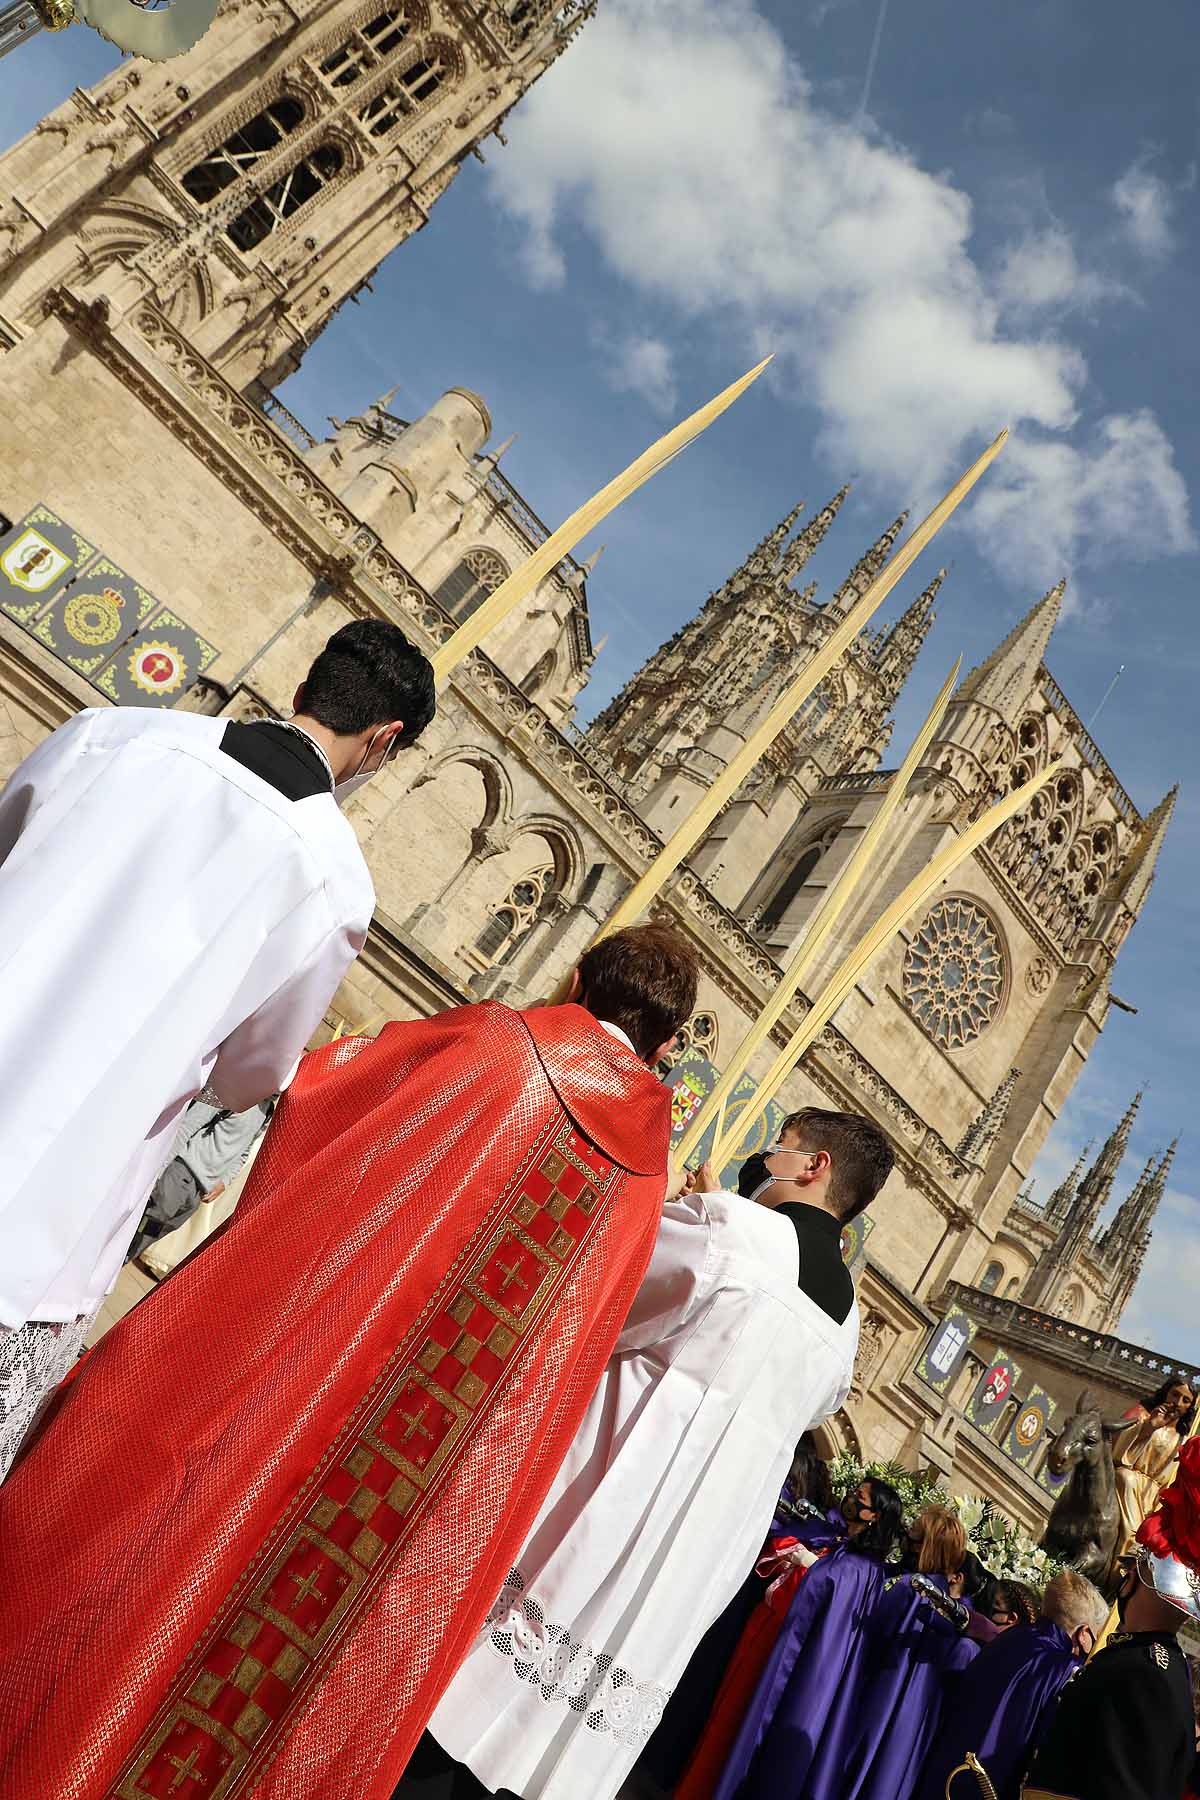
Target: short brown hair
x,y
943,1541
859,1151
644,980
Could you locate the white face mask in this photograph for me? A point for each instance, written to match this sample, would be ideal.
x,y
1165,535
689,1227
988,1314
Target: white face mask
x,y
343,790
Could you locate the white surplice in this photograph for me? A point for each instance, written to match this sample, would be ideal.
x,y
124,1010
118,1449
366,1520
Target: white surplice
x,y
658,1511
167,920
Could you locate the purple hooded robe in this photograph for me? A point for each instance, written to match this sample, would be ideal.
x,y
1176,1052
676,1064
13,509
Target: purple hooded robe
x,y
793,1737
910,1650
686,1714
1000,1708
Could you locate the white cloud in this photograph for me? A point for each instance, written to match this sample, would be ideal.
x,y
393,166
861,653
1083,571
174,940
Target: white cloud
x,y
1042,270
1117,485
643,365
685,142
1144,203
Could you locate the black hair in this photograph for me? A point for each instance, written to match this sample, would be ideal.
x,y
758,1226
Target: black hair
x,y
979,1584
878,1539
808,1476
369,674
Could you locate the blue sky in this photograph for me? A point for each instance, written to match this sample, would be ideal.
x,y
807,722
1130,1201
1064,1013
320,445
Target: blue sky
x,y
1002,231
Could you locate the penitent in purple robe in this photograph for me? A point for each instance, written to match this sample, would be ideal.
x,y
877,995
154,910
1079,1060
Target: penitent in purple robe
x,y
910,1651
687,1711
794,1735
1000,1708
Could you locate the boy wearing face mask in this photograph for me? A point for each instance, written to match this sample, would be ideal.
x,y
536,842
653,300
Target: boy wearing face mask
x,y
179,898
742,1337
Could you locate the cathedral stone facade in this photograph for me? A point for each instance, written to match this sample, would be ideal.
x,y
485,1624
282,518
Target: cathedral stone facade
x,y
171,242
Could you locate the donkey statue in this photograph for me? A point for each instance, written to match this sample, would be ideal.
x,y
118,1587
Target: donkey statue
x,y
1084,1521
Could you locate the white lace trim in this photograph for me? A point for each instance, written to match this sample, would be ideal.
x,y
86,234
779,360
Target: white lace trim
x,y
33,1360
568,1672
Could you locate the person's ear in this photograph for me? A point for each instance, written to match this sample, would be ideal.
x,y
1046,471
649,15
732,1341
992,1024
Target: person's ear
x,y
574,989
664,1050
819,1163
298,699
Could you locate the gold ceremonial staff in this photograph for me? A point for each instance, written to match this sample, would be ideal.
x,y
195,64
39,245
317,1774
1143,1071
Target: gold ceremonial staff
x,y
890,921
815,938
688,834
522,581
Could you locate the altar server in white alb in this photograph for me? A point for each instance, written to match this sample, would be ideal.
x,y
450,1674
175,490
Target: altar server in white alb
x,y
742,1337
179,898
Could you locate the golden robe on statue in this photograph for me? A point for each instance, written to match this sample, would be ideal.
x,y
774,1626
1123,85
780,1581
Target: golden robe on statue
x,y
1145,1459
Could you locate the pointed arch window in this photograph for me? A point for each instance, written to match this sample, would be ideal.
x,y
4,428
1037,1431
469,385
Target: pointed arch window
x,y
368,45
467,587
243,149
775,911
540,674
285,196
508,922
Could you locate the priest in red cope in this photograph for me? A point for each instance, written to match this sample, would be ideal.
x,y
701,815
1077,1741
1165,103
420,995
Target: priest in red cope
x,y
270,1514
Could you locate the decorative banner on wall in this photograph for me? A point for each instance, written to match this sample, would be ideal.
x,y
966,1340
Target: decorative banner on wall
x,y
942,1356
854,1241
164,658
39,556
691,1081
1029,1427
994,1391
87,625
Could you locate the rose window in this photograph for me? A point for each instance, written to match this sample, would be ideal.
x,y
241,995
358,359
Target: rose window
x,y
954,973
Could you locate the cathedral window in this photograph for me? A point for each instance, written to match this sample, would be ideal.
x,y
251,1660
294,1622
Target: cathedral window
x,y
285,196
990,1280
241,151
953,976
776,908
1071,1304
367,46
508,922
700,1034
540,674
402,95
467,587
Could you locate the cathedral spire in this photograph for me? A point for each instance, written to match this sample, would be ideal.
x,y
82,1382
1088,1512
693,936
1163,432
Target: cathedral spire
x,y
1090,1199
763,560
1004,679
1096,1185
866,569
1129,1256
983,1132
806,541
1059,1203
1123,1230
897,650
1131,884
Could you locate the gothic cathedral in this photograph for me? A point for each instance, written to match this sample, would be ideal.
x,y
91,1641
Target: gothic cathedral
x,y
172,242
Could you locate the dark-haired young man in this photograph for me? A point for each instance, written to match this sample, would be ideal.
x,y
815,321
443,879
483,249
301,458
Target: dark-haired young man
x,y
179,898
742,1337
299,1473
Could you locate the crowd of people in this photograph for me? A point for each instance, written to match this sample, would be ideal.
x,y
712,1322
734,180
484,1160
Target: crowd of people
x,y
866,1657
424,1477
